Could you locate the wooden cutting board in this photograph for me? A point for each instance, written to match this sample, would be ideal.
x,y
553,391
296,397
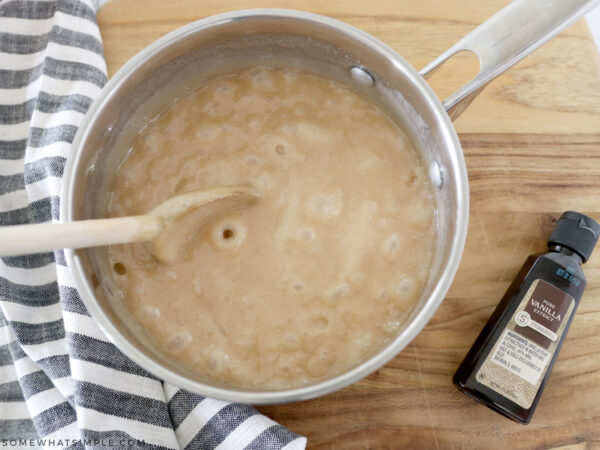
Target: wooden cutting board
x,y
532,146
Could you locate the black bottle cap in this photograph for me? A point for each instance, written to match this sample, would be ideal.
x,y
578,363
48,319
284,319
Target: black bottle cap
x,y
577,232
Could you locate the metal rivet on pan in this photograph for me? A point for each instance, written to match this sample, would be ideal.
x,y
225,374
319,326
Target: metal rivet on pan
x,y
362,76
436,174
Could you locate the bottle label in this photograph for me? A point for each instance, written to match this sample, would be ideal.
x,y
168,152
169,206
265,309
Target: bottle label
x,y
519,359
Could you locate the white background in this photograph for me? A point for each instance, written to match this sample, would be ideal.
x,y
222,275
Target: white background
x,y
593,20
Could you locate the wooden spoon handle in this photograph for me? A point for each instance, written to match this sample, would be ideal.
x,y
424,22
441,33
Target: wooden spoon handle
x,y
27,239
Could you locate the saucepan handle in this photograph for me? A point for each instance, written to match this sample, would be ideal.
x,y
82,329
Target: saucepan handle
x,y
505,39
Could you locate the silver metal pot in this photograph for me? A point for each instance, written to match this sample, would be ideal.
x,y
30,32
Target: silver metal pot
x,y
330,48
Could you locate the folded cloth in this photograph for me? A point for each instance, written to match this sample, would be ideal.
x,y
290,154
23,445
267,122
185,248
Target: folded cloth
x,y
62,383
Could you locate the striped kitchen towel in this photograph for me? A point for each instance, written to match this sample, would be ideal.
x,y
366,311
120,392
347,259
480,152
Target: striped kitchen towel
x,y
62,383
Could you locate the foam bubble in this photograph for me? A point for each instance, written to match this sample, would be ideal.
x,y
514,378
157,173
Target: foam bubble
x,y
392,246
327,204
198,286
251,160
215,360
320,323
289,342
320,363
261,78
171,275
391,326
382,296
339,291
290,76
306,234
291,361
298,285
230,234
264,181
147,314
179,341
207,132
405,286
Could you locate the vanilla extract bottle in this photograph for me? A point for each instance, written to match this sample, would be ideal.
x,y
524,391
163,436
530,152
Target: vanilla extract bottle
x,y
510,362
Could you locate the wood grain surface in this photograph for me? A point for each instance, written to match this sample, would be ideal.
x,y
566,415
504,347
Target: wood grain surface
x,y
532,146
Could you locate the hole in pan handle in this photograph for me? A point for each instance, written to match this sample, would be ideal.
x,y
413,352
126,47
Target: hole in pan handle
x,y
505,39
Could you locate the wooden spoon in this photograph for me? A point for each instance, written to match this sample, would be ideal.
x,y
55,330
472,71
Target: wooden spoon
x,y
166,230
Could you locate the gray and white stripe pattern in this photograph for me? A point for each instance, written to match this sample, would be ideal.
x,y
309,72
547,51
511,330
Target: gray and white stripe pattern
x,y
62,384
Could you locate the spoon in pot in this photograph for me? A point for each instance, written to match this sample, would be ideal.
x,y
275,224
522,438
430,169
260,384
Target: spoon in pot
x,y
166,231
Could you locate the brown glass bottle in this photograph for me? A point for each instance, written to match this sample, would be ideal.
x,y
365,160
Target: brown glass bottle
x,y
510,362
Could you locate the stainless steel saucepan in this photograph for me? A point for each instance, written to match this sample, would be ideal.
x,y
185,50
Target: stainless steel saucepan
x,y
330,48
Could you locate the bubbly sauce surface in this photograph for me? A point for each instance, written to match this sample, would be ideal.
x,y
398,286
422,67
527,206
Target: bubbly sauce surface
x,y
315,277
